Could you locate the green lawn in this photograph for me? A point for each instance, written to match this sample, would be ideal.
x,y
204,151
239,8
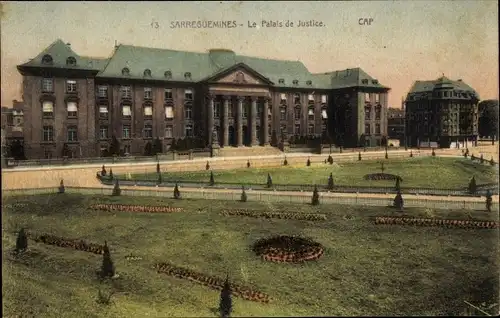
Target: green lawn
x,y
426,172
366,269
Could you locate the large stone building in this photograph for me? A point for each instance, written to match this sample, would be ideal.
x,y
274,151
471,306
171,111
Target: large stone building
x,y
441,111
396,124
142,93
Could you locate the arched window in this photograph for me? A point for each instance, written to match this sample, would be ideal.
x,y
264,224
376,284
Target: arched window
x,y
295,82
168,74
187,75
147,72
125,71
47,59
71,61
310,113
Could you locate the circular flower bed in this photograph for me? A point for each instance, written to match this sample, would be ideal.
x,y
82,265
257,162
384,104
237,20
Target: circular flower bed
x,y
382,176
288,249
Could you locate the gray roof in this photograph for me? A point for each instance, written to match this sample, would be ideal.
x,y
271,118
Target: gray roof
x,y
442,82
201,66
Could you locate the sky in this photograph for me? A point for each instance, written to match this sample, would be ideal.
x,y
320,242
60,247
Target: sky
x,y
407,40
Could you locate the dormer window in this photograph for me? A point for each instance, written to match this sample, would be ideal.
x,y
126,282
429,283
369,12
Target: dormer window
x,y
125,71
374,82
309,82
147,72
281,81
168,74
47,59
187,75
295,82
71,61
365,81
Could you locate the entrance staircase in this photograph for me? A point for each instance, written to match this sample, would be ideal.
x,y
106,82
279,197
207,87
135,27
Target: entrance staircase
x,y
249,151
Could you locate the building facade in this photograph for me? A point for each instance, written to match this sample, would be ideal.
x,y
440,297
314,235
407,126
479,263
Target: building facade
x,y
441,111
396,124
139,94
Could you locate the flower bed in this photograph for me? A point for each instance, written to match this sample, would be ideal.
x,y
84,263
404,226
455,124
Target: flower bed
x,y
275,215
135,208
211,281
79,245
437,222
382,176
288,249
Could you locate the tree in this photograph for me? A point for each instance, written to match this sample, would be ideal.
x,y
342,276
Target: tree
x,y
148,149
107,268
157,146
226,303
114,148
398,201
315,196
212,181
331,185
488,118
103,171
21,242
269,181
61,187
433,153
243,194
472,186
359,156
308,163
248,163
489,201
207,166
398,186
285,162
158,167
330,159
177,193
116,189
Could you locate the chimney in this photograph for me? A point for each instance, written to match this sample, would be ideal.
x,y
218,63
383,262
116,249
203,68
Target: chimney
x,y
68,44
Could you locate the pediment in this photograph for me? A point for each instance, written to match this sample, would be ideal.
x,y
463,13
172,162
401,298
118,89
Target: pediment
x,y
239,76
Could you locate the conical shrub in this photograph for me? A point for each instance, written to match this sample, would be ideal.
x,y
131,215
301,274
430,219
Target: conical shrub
x,y
107,267
226,302
308,163
61,187
315,196
269,181
472,186
331,185
398,201
21,241
359,156
177,193
116,189
212,181
243,194
489,201
207,166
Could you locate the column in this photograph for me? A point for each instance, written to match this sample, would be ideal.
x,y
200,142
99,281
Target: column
x,y
225,122
265,122
239,123
210,120
253,118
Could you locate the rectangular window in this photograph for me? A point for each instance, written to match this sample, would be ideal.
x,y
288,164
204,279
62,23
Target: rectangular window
x,y
48,133
324,114
103,132
72,109
47,154
310,113
189,130
310,98
269,112
188,112
148,131
297,129
102,91
367,129
47,85
377,129
148,112
168,93
282,113
377,98
71,86
126,111
217,106
368,114
323,99
126,92
169,112
296,98
126,132
297,113
188,94
283,97
367,97
169,132
230,109
103,112
244,115
72,134
126,149
148,93
378,113
323,127
310,129
48,109
283,129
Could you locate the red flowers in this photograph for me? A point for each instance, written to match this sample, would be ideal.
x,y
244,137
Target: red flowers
x,y
437,222
79,245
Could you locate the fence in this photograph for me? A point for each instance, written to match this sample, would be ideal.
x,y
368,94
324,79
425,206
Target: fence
x,y
267,197
481,191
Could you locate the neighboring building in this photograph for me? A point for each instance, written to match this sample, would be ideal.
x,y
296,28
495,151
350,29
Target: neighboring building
x,y
441,111
13,121
142,93
396,124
